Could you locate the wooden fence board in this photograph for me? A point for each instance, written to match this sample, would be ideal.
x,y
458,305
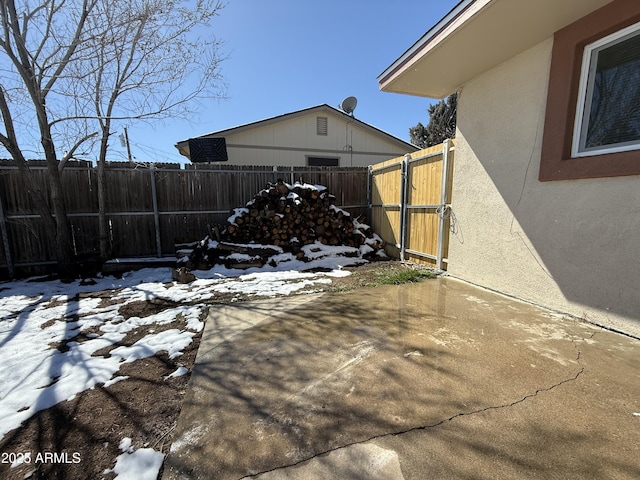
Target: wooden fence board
x,y
422,228
187,228
85,235
30,241
425,177
387,186
17,199
80,187
132,235
189,200
132,192
386,223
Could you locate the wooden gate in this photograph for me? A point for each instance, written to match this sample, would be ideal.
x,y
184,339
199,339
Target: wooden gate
x,y
410,204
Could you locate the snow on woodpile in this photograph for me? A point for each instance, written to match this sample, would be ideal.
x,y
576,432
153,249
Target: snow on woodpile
x,y
286,222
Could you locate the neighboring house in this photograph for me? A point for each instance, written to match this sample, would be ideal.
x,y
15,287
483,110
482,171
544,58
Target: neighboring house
x,y
316,136
546,185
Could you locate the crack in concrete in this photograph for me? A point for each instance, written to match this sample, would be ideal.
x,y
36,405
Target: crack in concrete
x,y
441,422
434,425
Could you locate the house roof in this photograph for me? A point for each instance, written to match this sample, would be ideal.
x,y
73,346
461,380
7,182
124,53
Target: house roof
x,y
475,36
183,145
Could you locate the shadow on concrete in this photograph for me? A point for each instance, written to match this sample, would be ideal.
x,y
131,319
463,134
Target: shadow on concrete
x,y
434,362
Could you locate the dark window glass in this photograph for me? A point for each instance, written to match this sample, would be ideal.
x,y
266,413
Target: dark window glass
x,y
613,96
323,162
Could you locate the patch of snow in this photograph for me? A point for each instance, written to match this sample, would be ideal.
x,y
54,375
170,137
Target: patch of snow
x,y
46,357
115,380
344,212
295,198
338,273
126,445
271,284
141,464
20,459
179,372
37,375
237,212
282,258
242,257
306,186
173,341
364,249
322,255
317,250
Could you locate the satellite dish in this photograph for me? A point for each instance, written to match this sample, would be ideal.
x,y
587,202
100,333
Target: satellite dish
x,y
348,105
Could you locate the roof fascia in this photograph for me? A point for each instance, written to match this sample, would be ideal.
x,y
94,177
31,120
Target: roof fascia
x,y
319,108
457,16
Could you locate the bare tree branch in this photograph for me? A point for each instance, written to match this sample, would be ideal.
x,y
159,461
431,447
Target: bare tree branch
x,y
73,149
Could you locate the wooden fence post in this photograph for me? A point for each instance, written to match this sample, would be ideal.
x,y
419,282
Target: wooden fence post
x,y
403,205
5,241
370,194
443,214
156,213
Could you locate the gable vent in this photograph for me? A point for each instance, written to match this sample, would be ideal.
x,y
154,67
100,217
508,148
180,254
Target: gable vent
x,y
322,125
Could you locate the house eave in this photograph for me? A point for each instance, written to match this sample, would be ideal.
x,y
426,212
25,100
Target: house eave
x,y
474,37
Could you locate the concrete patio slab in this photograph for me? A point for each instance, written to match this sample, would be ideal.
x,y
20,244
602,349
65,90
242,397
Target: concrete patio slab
x,y
439,379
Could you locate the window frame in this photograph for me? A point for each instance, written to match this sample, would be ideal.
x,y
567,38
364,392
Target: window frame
x,y
585,93
557,160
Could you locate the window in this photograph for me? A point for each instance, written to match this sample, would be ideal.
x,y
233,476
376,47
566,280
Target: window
x,y
322,125
592,122
323,161
608,109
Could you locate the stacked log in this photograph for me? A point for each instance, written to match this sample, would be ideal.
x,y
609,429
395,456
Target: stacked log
x,y
284,218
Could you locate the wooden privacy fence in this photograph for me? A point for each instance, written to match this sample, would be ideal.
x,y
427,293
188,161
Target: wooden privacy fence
x,y
149,207
410,204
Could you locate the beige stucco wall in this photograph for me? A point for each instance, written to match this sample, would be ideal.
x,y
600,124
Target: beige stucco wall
x,y
572,246
290,141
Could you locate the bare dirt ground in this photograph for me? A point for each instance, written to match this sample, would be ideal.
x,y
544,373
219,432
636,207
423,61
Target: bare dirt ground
x,y
84,433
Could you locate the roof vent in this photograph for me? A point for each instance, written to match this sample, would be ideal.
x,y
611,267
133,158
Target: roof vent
x,y
322,125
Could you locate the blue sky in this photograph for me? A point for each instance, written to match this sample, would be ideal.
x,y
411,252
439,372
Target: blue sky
x,y
286,55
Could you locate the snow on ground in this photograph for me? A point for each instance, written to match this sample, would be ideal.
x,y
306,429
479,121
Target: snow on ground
x,y
141,464
50,331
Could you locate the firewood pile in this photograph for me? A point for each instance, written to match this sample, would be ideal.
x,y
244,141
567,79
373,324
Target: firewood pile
x,y
286,222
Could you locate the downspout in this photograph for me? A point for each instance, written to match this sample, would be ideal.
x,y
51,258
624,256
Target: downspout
x,y
349,146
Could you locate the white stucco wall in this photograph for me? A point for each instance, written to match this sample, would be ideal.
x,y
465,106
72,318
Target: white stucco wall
x,y
572,246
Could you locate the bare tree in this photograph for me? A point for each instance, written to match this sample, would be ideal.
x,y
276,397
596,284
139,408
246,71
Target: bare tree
x,y
151,64
77,66
39,45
